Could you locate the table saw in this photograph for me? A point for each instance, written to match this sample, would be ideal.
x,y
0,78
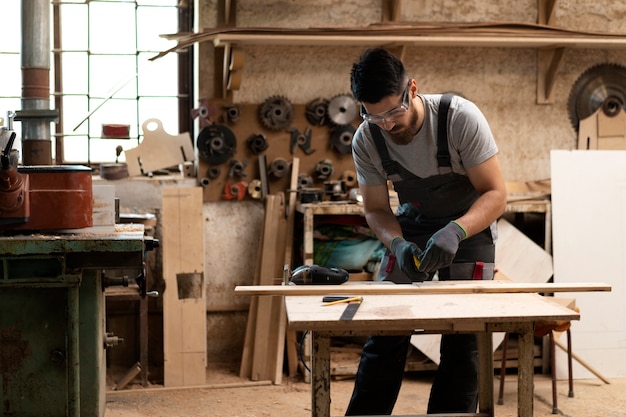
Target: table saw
x,y
52,318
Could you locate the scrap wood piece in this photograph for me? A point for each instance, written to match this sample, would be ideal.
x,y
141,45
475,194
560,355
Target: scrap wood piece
x,y
519,258
431,287
158,150
184,299
265,333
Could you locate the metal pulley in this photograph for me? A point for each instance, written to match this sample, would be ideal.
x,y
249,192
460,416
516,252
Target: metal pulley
x,y
203,112
349,178
232,113
341,138
257,143
279,167
603,87
255,189
213,172
324,169
342,109
302,140
216,144
305,181
276,113
336,190
317,112
237,168
235,190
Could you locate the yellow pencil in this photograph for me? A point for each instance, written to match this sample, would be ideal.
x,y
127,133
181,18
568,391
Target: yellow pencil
x,y
347,300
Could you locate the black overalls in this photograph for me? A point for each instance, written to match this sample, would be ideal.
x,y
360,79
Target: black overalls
x,y
427,205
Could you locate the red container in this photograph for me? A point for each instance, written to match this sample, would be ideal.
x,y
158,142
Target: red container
x,y
57,197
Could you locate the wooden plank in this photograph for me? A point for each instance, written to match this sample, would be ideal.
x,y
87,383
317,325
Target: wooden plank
x,y
270,320
245,369
260,365
290,340
184,313
519,258
448,287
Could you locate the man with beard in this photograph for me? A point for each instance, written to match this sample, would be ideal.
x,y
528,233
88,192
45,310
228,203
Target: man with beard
x,y
440,154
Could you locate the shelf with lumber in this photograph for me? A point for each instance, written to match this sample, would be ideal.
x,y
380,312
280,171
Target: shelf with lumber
x,y
550,42
496,34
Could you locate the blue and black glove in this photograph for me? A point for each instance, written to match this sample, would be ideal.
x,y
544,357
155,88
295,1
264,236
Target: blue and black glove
x,y
407,254
441,248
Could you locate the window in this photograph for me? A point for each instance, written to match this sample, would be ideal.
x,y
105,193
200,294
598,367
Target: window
x,y
105,72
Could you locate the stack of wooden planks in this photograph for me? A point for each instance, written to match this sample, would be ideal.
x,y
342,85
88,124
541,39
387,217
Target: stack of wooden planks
x,y
264,346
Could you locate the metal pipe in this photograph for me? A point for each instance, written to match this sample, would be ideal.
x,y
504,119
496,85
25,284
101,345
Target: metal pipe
x,y
35,54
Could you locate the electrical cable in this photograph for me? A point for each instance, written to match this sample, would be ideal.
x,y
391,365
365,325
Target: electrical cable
x,y
301,353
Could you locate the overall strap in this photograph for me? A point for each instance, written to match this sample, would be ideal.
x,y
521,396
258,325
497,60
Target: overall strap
x,y
390,166
443,153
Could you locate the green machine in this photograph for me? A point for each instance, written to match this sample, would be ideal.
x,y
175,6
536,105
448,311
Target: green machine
x,y
52,319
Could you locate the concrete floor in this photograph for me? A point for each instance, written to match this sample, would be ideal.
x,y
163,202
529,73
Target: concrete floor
x,y
227,395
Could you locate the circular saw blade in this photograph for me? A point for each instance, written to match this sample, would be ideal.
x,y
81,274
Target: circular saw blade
x,y
593,88
342,109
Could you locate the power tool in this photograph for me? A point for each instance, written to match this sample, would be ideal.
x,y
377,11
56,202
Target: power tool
x,y
315,274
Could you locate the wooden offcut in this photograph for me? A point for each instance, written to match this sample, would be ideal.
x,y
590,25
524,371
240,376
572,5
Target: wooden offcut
x,y
184,318
158,150
602,132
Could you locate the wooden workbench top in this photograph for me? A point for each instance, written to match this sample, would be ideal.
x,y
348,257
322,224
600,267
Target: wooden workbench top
x,y
454,312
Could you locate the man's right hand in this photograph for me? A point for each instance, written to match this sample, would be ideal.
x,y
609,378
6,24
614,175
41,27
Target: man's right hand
x,y
406,254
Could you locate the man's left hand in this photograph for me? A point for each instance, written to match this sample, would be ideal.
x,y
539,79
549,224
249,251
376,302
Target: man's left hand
x,y
441,248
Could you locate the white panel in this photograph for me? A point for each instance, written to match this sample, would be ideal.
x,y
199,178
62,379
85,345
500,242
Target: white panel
x,y
589,245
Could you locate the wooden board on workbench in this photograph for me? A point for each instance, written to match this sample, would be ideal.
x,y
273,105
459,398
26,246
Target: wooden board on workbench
x,y
427,287
279,147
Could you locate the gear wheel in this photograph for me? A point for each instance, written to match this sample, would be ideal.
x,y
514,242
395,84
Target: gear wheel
x,y
342,109
216,144
601,86
276,113
316,112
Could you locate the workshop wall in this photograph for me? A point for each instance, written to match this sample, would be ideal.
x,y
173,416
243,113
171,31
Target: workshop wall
x,y
501,81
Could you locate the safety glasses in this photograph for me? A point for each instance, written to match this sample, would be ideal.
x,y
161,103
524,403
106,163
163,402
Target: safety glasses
x,y
390,115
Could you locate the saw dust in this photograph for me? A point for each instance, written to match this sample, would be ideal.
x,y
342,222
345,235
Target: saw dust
x,y
228,395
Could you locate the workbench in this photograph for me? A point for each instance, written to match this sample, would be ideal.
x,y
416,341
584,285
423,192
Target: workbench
x,y
516,204
481,313
52,321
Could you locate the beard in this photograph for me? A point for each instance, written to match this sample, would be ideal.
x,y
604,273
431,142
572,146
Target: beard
x,y
404,134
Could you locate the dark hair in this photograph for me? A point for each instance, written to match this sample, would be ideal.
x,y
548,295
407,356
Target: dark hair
x,y
377,74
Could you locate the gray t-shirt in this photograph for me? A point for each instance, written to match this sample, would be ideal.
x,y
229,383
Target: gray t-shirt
x,y
470,142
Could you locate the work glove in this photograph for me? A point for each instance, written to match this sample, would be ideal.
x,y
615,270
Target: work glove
x,y
441,247
407,253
